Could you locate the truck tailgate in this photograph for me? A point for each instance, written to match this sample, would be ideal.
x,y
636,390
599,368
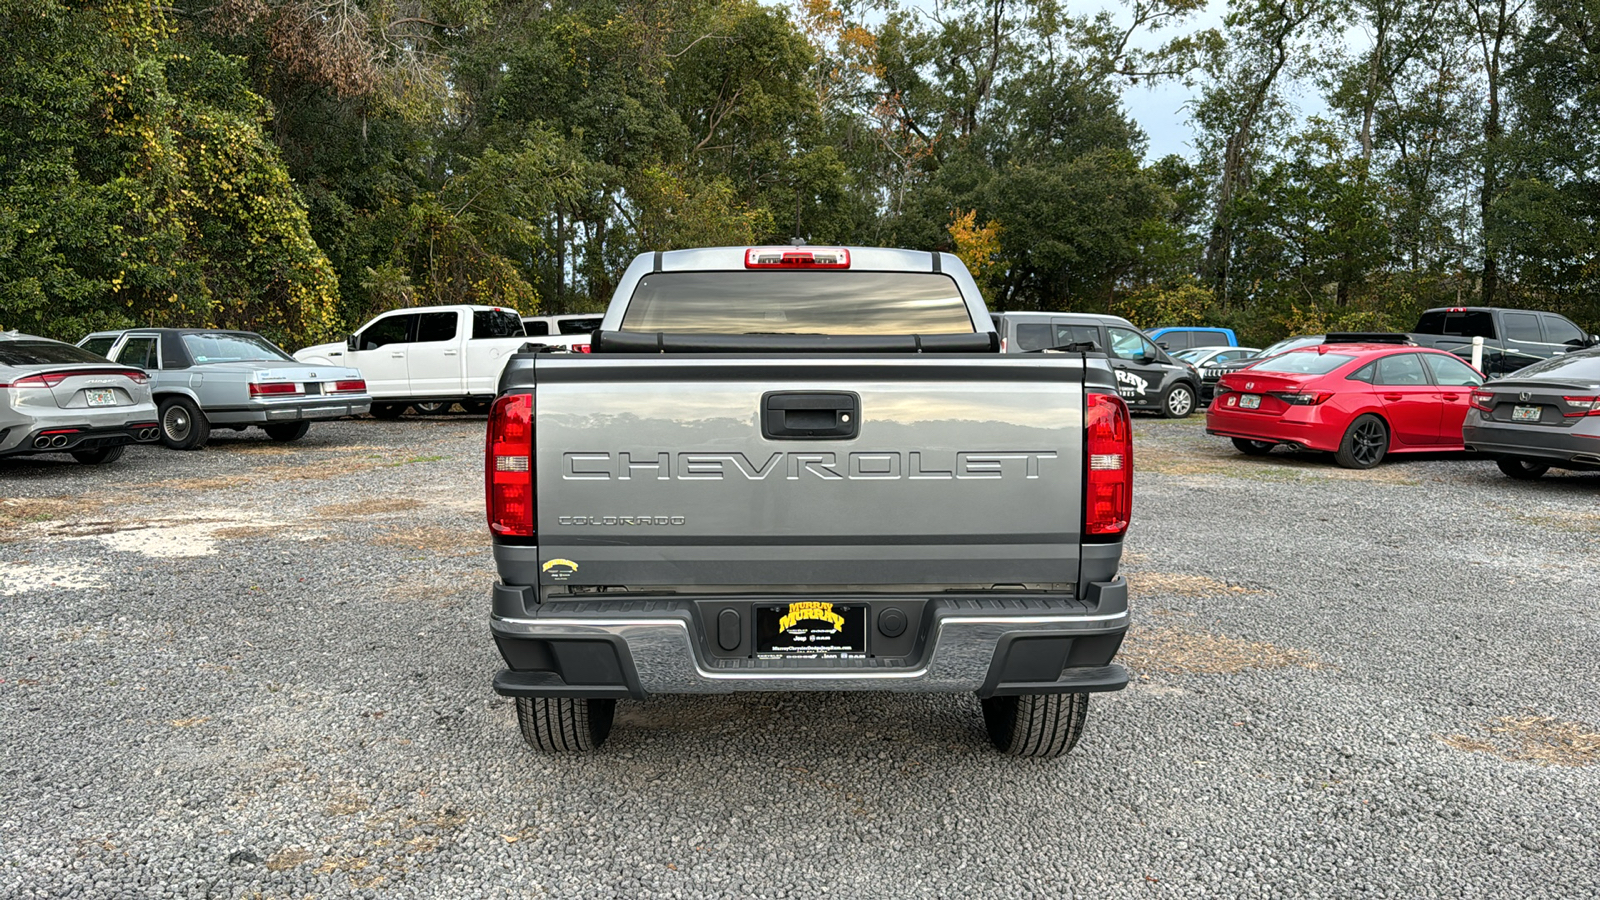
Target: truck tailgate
x,y
698,472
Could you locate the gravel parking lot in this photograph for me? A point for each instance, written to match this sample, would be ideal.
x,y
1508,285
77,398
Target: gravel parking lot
x,y
263,670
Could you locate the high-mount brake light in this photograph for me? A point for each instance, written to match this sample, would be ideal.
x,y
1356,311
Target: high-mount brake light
x,y
277,387
1585,406
1482,400
508,469
796,258
356,386
1108,464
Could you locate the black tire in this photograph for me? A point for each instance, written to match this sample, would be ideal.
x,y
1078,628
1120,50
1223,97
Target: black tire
x,y
1522,469
1178,402
100,456
476,407
1365,443
1253,448
565,724
1040,726
388,411
432,407
182,425
287,431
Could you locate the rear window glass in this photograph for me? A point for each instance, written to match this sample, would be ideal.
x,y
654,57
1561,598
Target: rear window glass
x,y
1035,336
1293,343
43,353
215,348
791,302
495,323
585,325
1302,363
1583,366
1462,324
536,327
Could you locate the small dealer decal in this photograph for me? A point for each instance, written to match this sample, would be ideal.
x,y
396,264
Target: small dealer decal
x,y
559,569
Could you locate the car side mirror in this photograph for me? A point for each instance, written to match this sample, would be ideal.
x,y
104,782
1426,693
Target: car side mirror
x,y
1594,339
1163,345
350,342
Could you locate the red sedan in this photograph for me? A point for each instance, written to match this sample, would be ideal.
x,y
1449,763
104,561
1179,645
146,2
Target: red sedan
x,y
1358,401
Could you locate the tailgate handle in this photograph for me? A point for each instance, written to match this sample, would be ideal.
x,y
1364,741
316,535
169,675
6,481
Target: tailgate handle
x,y
810,415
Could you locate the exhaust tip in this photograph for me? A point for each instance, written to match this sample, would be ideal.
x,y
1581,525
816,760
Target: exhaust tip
x,y
41,442
59,440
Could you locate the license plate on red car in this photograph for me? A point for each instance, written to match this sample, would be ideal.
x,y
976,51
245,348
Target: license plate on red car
x,y
1250,401
1526,413
105,397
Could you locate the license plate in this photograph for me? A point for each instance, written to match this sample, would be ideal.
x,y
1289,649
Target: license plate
x,y
313,388
811,629
1526,413
101,397
1250,401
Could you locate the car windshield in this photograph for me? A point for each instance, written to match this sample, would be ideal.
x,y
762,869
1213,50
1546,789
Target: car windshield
x,y
1582,366
41,352
797,302
1192,353
1303,363
224,347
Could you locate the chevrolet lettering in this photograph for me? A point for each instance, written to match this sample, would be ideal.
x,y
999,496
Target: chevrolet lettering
x,y
809,469
828,466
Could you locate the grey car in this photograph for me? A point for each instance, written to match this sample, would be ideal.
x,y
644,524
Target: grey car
x,y
1148,378
56,398
1544,416
204,378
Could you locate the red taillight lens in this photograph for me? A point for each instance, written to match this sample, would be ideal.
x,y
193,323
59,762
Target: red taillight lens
x,y
791,258
44,380
280,387
138,377
1483,400
582,348
508,467
1108,453
1586,406
357,386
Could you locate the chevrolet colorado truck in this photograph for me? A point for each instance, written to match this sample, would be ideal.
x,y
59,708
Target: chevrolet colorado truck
x,y
807,469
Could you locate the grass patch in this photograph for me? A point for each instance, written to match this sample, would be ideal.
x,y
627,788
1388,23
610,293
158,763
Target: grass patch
x,y
376,507
435,539
1199,653
284,860
15,511
416,459
1168,583
1211,460
1538,739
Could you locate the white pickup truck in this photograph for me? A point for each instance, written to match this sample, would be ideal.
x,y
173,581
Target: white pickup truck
x,y
428,357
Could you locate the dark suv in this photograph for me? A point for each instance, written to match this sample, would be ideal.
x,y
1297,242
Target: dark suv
x,y
1147,377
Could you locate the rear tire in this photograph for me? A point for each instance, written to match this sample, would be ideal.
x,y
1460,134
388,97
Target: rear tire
x,y
98,457
388,411
1038,726
183,426
1365,443
431,408
288,431
565,724
1522,469
1253,448
1179,402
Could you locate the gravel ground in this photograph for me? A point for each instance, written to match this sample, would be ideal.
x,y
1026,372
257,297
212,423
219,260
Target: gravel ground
x,y
263,671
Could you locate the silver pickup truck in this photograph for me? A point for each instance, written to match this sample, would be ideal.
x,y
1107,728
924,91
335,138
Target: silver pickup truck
x,y
799,468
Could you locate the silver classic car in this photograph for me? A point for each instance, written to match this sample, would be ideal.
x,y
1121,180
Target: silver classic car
x,y
211,378
55,398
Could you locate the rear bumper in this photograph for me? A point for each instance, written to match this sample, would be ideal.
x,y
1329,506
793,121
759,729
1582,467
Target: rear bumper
x,y
1564,448
308,409
1306,435
1024,644
67,438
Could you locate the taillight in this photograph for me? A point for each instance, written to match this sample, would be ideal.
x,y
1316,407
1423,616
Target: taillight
x,y
277,387
44,380
358,386
508,467
792,258
138,377
1303,398
1108,451
582,348
1483,400
1586,406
